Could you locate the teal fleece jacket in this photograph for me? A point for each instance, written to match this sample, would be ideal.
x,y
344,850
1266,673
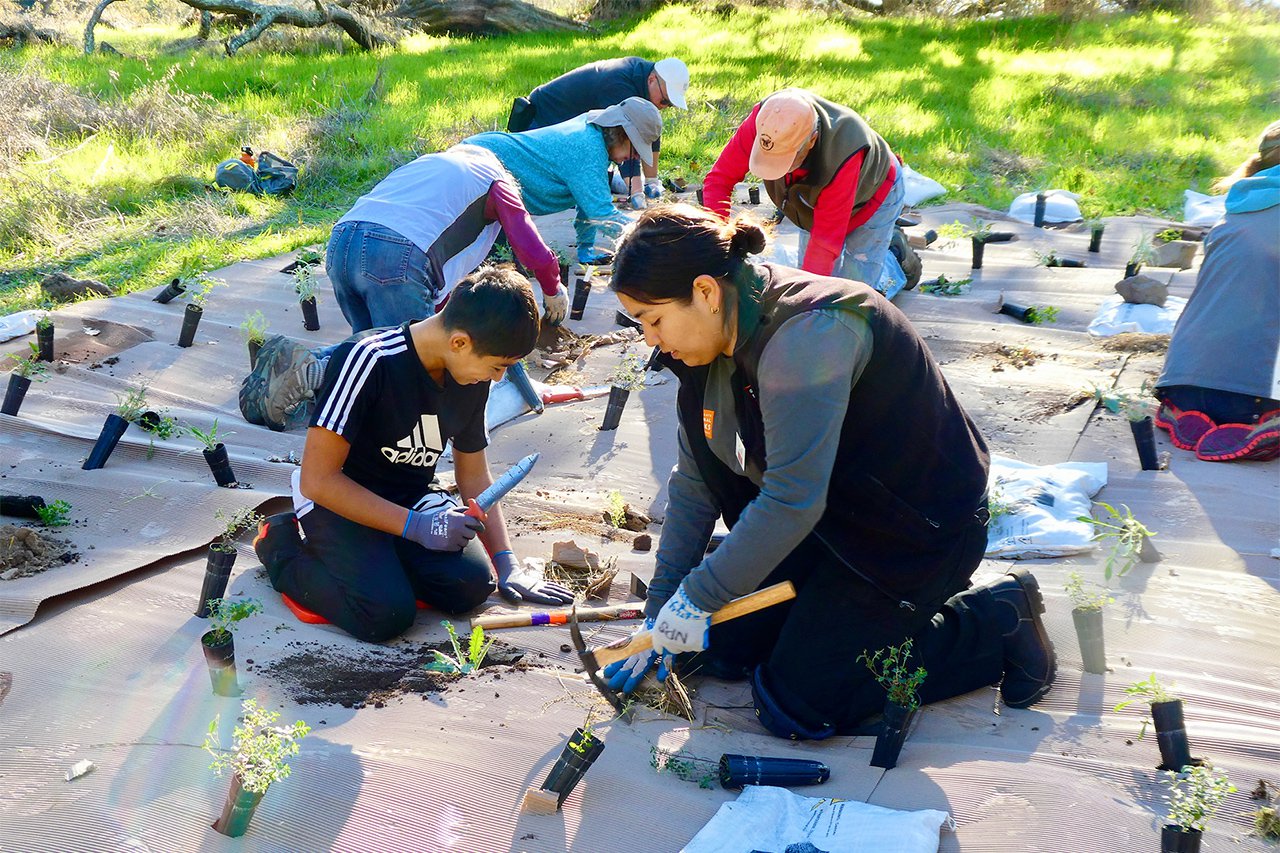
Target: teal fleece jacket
x,y
1258,192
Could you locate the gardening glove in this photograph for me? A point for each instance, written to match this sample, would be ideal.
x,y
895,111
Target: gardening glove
x,y
625,674
556,305
445,529
638,202
516,585
681,626
653,188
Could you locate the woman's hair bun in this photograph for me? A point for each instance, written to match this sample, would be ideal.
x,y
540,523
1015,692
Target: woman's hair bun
x,y
748,239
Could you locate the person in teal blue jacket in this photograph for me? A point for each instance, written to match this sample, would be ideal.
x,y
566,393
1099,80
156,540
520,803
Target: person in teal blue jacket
x,y
566,165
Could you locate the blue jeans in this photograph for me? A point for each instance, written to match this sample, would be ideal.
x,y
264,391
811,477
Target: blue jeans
x,y
866,255
379,277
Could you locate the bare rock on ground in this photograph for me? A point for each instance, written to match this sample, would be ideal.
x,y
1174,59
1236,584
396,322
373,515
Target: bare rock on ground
x,y
61,287
25,551
1143,290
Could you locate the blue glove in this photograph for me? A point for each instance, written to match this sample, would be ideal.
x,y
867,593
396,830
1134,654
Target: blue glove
x,y
445,529
589,255
626,674
652,188
681,626
638,202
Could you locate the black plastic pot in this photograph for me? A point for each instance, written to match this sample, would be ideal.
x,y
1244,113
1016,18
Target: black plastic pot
x,y
564,273
237,811
21,506
1093,648
1017,312
613,412
190,322
1144,436
624,321
979,247
1000,237
254,346
753,195
1175,839
44,339
893,733
221,658
112,429
1066,262
1040,205
1131,268
1171,735
15,393
220,465
1095,239
739,770
575,759
310,316
699,196
167,295
217,571
581,290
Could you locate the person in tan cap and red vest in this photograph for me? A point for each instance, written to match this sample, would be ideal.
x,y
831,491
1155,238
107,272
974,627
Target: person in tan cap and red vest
x,y
829,173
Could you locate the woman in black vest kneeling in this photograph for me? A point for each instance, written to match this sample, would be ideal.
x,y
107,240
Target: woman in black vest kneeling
x,y
814,421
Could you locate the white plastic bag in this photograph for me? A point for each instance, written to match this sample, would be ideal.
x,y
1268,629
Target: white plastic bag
x,y
1059,206
1201,209
1115,316
917,188
19,323
1042,503
771,819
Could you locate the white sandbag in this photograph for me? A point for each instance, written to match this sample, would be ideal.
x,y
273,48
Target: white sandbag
x,y
1059,206
1201,209
1116,316
771,819
917,188
20,323
1044,502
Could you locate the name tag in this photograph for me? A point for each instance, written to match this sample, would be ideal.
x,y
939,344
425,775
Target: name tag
x,y
708,422
739,452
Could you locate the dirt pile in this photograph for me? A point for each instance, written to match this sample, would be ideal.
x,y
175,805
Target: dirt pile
x,y
24,552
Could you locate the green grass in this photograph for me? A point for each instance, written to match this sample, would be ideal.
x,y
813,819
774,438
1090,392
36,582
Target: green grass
x,y
1125,110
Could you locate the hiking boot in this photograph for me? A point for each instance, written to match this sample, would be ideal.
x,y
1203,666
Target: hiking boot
x,y
1030,664
278,541
284,378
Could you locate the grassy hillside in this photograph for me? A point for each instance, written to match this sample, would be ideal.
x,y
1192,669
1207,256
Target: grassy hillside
x,y
107,156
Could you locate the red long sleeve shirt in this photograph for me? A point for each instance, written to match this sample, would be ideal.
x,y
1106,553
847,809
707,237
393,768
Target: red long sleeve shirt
x,y
505,206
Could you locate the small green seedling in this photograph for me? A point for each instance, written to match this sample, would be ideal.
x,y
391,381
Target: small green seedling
x,y
1128,535
1195,793
1150,690
55,514
29,367
976,229
1038,314
997,505
1168,235
259,751
462,663
305,283
1093,223
1130,402
689,768
44,321
254,328
199,287
616,508
1143,251
1085,595
132,403
224,614
309,256
629,374
892,671
946,287
233,524
211,438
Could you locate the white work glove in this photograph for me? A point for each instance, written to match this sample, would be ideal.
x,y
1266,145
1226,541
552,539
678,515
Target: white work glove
x,y
556,305
681,626
516,585
638,202
653,188
626,675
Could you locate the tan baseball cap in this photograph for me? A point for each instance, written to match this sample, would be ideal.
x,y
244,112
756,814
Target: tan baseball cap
x,y
639,118
783,126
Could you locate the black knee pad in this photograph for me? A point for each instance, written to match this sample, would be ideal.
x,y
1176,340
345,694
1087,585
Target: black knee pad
x,y
772,716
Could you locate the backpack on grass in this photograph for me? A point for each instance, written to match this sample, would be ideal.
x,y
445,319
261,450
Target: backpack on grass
x,y
272,176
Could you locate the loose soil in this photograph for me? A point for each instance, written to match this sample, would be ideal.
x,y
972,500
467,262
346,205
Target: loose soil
x,y
24,551
1136,342
1004,356
315,674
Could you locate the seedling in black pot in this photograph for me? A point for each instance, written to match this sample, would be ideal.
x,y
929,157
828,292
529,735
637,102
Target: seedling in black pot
x,y
753,194
215,453
305,285
222,555
627,377
44,337
26,369
129,409
1033,314
1095,228
1195,794
1130,539
581,751
198,289
892,670
1166,713
1143,253
171,291
1087,603
254,328
1132,403
581,291
258,757
1051,259
219,643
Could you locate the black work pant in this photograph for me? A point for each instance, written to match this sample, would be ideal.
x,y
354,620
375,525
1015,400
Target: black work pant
x,y
366,581
808,648
1224,407
522,114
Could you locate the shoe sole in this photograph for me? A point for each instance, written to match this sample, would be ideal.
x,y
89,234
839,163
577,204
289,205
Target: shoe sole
x,y
1031,587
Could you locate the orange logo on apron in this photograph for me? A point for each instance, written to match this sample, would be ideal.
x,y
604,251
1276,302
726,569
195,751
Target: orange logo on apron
x,y
708,422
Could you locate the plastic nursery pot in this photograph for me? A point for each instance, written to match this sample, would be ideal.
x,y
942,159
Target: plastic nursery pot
x,y
581,290
624,321
44,339
1144,436
237,811
564,272
1095,239
217,571
220,465
893,733
1017,312
979,247
14,394
173,289
254,346
1175,839
999,237
613,412
112,429
753,195
310,316
699,196
221,658
1131,269
1039,214
21,506
190,321
575,759
739,770
1093,648
1171,735
1070,263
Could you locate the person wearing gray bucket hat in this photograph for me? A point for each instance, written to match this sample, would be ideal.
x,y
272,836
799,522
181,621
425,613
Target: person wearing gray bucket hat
x,y
566,165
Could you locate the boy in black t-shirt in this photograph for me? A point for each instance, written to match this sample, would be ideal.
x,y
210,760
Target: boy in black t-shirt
x,y
377,536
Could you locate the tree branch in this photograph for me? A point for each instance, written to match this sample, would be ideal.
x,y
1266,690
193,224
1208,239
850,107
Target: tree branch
x,y
482,16
265,15
93,22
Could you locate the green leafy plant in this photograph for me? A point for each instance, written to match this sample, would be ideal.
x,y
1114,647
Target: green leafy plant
x,y
308,256
1168,235
29,367
132,403
305,283
629,374
1195,793
1143,252
1130,402
891,668
233,525
259,750
1092,224
199,287
462,662
224,614
254,327
975,229
689,768
501,254
1150,690
210,438
1085,595
44,321
1047,259
615,508
54,514
997,505
1038,314
1127,535
946,287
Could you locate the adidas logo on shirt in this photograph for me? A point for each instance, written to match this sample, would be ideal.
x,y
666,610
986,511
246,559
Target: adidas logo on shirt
x,y
420,448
